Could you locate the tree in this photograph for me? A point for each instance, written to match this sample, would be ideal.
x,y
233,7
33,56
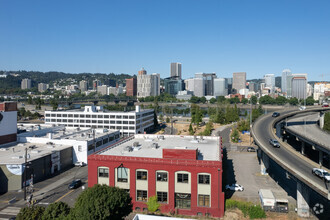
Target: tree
x,y
167,120
155,120
212,100
254,100
244,100
196,114
30,100
161,117
293,101
266,100
326,125
54,104
57,210
191,130
310,100
102,202
202,99
221,99
281,100
153,204
235,136
31,213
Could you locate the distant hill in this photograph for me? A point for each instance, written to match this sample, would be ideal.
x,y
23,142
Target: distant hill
x,y
14,78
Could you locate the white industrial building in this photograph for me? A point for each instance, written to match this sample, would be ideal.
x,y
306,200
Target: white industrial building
x,y
84,141
128,123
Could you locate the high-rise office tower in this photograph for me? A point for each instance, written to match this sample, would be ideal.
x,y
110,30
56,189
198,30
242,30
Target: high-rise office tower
x,y
83,86
42,87
131,87
270,81
220,87
26,84
199,87
176,70
142,72
299,85
229,84
239,81
96,83
173,85
284,84
208,79
148,85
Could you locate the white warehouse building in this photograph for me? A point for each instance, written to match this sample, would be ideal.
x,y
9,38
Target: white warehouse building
x,y
128,123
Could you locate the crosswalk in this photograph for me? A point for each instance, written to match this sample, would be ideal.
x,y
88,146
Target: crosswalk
x,y
8,212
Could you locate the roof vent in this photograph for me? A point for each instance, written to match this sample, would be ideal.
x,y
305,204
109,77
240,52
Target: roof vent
x,y
128,149
17,157
161,137
154,146
135,144
4,149
35,151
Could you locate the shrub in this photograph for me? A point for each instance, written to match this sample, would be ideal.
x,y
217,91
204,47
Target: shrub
x,y
248,209
153,204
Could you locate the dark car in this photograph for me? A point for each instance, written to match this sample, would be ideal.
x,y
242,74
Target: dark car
x,y
276,114
75,184
251,149
274,143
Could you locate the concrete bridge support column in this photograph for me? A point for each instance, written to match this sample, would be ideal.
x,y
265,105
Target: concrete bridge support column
x,y
302,148
302,200
320,158
321,120
264,164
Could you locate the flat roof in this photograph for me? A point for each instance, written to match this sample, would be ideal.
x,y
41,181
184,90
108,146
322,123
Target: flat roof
x,y
62,132
81,110
14,153
208,147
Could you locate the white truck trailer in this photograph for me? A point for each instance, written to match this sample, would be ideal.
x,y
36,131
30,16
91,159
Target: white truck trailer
x,y
267,199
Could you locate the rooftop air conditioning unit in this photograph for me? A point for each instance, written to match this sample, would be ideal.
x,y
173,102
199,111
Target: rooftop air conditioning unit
x,y
154,146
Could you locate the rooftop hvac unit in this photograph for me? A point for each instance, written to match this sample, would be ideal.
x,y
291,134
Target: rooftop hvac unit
x,y
154,146
161,138
128,149
135,144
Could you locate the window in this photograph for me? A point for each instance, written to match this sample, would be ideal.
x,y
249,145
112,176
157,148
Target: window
x,y
142,195
131,122
76,116
141,175
82,121
93,116
182,200
106,116
94,121
88,121
65,120
125,117
70,115
204,200
162,176
162,197
100,116
182,178
118,116
47,115
203,179
106,122
65,115
125,122
53,115
119,122
82,116
88,116
122,174
103,172
131,117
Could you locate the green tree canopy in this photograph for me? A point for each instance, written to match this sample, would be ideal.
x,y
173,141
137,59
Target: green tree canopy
x,y
102,202
31,213
153,204
57,210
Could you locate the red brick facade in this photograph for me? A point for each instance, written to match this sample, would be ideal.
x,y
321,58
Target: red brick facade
x,y
131,87
171,165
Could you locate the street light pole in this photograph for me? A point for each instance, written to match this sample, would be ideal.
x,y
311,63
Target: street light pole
x,y
250,117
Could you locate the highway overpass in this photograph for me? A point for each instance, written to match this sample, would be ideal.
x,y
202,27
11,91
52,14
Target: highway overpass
x,y
289,167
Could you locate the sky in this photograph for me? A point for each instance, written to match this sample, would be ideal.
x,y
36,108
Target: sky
x,y
103,36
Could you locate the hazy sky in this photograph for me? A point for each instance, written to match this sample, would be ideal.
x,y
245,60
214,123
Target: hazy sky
x,y
254,36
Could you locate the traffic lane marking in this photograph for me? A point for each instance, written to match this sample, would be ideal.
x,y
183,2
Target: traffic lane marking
x,y
64,195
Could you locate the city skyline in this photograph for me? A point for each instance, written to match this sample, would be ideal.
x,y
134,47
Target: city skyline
x,y
203,36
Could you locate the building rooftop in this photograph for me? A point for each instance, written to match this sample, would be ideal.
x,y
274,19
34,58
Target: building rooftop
x,y
61,132
151,146
100,109
14,153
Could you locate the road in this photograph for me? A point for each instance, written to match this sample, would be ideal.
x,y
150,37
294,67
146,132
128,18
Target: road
x,y
51,190
299,166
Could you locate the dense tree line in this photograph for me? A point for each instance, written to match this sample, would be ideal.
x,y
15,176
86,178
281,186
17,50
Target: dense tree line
x,y
97,202
326,126
281,100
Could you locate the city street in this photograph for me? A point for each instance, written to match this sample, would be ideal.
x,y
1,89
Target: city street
x,y
51,190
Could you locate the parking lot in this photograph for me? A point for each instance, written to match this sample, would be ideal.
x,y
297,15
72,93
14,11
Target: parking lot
x,y
242,167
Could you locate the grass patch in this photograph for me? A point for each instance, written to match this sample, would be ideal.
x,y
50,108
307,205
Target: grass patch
x,y
248,208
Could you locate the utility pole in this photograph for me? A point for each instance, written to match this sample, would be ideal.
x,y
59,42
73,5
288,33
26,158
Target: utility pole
x,y
25,171
250,117
93,130
171,119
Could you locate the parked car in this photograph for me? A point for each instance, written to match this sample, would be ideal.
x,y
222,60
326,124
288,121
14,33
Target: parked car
x,y
275,114
234,187
79,164
251,149
75,184
274,143
325,104
321,173
302,108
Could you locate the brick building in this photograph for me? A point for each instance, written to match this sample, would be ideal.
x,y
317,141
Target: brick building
x,y
184,172
131,87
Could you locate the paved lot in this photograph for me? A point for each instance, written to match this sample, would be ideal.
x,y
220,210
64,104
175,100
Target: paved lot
x,y
244,169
